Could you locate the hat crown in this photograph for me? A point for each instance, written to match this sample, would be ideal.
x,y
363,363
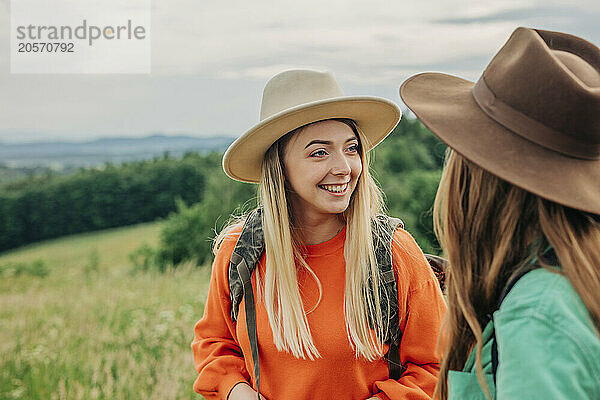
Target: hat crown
x,y
553,79
297,87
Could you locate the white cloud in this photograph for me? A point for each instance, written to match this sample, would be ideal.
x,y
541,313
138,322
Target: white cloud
x,y
239,39
210,59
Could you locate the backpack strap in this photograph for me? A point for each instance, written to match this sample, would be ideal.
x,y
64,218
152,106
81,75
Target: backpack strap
x,y
249,248
244,259
246,277
383,234
438,266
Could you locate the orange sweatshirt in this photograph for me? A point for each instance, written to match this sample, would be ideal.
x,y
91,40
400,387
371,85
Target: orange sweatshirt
x,y
222,351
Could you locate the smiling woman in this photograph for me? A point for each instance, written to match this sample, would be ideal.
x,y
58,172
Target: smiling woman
x,y
335,278
323,164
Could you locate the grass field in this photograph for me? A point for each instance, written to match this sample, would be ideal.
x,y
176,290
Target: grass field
x,y
90,328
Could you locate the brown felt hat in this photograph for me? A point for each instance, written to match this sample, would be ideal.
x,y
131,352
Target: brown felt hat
x,y
294,98
532,119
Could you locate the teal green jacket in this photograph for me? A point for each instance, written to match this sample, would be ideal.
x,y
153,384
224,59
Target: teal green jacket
x,y
548,347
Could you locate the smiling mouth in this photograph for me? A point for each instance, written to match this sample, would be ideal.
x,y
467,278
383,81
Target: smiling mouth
x,y
337,189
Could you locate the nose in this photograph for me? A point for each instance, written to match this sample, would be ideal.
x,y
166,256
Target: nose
x,y
340,165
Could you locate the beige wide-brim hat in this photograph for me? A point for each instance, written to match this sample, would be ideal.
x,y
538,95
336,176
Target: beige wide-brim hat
x,y
294,98
532,119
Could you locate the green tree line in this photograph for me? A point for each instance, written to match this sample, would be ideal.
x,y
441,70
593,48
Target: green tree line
x,y
90,199
197,198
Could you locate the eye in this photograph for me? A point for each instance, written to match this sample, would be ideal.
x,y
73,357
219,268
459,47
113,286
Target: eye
x,y
353,148
318,153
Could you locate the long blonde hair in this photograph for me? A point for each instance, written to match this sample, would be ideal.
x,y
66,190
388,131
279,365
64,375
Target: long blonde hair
x,y
489,229
283,248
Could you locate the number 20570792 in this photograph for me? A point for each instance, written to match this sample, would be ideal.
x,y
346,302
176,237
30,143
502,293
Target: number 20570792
x,y
49,47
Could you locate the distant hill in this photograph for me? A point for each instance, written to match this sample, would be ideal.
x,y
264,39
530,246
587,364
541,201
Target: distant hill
x,y
59,155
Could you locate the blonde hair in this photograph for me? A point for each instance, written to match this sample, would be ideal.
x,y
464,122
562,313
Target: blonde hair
x,y
489,229
284,248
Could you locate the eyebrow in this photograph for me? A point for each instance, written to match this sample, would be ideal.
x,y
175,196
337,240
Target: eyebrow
x,y
328,142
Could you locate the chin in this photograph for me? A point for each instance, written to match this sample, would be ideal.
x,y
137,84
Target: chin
x,y
335,210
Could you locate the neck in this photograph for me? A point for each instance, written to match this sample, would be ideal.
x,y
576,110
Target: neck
x,y
318,229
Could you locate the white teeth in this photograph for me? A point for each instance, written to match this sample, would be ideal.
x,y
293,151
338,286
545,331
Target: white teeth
x,y
335,188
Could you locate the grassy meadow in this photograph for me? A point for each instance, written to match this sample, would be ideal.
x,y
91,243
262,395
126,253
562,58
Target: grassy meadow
x,y
81,324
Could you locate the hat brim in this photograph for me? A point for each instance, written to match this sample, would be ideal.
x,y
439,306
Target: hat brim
x,y
376,117
445,104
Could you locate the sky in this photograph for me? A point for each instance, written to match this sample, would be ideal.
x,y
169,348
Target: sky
x,y
211,59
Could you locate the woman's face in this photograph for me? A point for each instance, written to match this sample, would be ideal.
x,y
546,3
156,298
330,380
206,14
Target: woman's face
x,y
322,164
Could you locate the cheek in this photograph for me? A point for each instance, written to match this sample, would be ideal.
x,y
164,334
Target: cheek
x,y
291,174
302,177
356,167
291,180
